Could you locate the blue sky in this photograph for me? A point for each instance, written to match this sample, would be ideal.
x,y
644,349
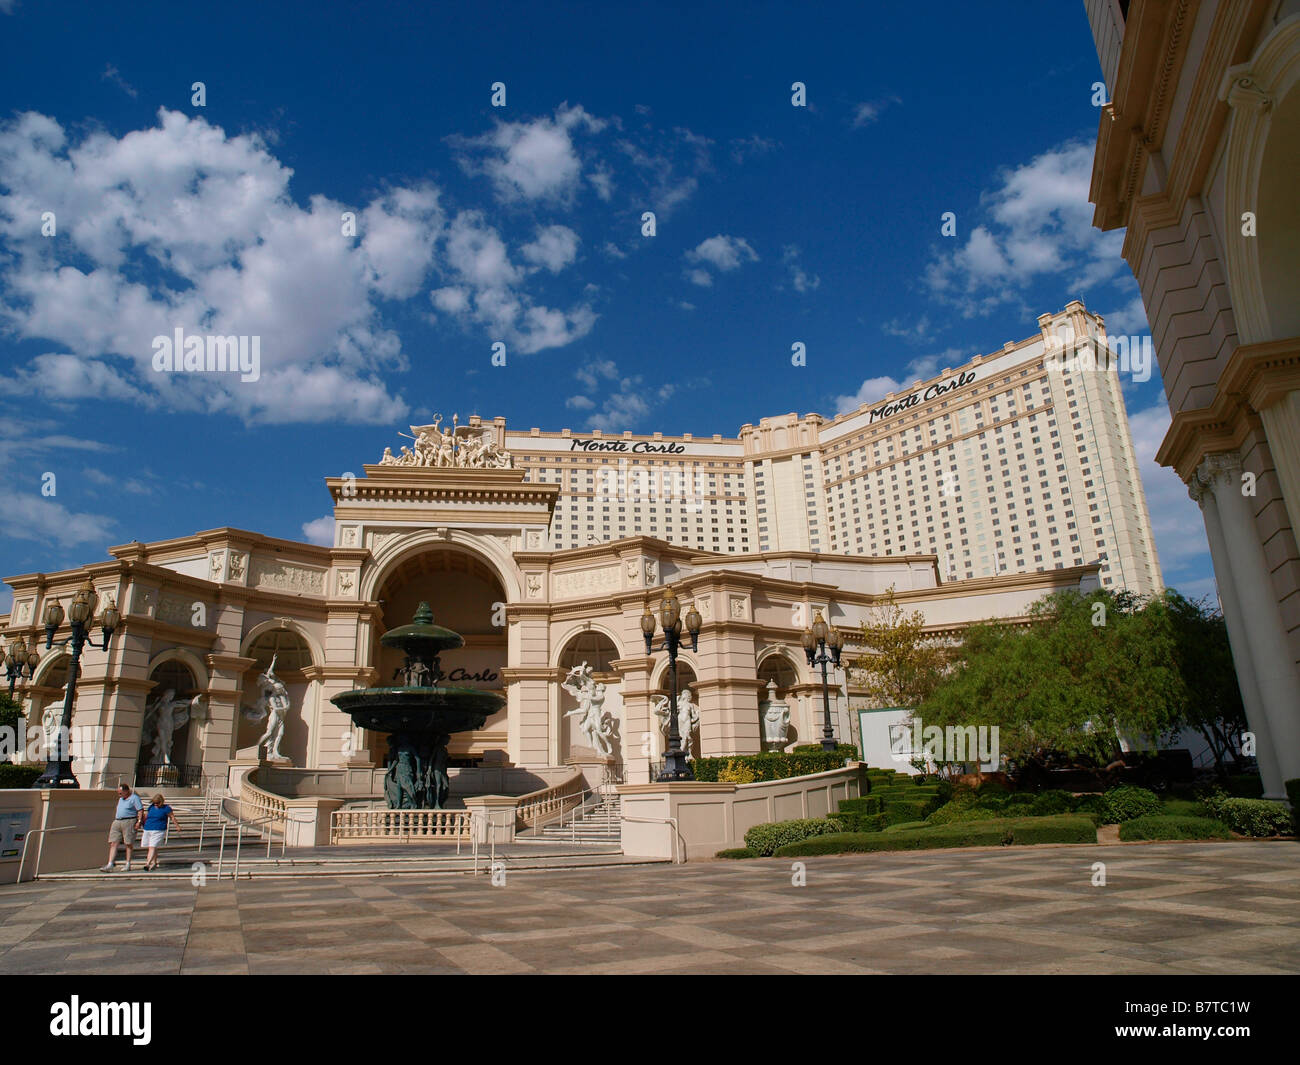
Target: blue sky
x,y
520,224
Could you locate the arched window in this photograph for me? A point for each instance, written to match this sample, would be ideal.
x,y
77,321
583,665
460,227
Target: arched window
x,y
290,650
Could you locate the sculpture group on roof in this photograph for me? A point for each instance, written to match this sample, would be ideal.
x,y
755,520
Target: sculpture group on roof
x,y
458,447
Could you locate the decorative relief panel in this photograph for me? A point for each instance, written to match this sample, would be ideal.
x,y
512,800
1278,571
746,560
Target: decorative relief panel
x,y
23,613
176,610
704,604
380,540
283,577
217,566
633,571
534,584
238,563
651,572
346,583
534,539
739,608
349,538
586,582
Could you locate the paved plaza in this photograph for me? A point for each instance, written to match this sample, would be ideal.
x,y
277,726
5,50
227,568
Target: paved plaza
x,y
1208,908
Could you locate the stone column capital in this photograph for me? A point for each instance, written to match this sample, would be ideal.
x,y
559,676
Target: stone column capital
x,y
1221,466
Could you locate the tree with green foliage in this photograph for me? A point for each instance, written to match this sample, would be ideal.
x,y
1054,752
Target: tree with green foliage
x,y
11,713
1214,707
900,664
1084,671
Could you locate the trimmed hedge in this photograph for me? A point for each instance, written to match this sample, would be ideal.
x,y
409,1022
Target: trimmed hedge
x,y
1163,826
1182,808
1250,817
903,826
855,822
1065,828
770,765
737,852
1126,803
848,751
765,839
867,804
19,776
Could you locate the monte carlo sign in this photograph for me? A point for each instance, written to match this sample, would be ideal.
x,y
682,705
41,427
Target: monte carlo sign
x,y
939,388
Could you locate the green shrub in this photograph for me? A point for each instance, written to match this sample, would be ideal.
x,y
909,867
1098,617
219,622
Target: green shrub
x,y
1293,793
19,776
1064,828
1250,817
1055,801
903,826
867,804
1127,802
847,751
765,839
918,810
1162,826
1245,785
855,822
737,852
1182,808
770,765
1087,804
1054,828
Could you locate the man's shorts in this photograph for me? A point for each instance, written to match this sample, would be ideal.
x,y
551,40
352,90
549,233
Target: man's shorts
x,y
122,831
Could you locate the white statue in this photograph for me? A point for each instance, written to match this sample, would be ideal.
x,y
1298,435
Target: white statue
x,y
445,448
776,718
272,704
50,721
164,716
593,723
688,717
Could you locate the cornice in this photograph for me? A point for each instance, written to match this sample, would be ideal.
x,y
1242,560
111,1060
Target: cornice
x,y
1255,377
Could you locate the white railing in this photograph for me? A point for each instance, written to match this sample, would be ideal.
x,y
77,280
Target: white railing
x,y
399,826
257,804
539,807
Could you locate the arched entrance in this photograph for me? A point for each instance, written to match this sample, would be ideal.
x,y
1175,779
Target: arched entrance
x,y
599,652
780,670
466,595
686,679
293,657
171,675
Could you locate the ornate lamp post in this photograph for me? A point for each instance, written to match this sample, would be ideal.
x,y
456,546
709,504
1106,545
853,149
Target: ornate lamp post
x,y
670,617
20,663
816,641
58,764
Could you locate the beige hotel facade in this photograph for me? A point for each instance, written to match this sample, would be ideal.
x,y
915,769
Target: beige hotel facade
x,y
971,495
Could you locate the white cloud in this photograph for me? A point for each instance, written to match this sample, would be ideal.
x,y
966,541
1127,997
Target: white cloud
x,y
554,248
700,277
1039,223
722,252
488,291
30,516
864,114
799,277
668,166
180,225
319,530
1129,320
872,391
532,160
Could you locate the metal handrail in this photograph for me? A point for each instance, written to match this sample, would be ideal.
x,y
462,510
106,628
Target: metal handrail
x,y
240,825
37,831
601,789
661,821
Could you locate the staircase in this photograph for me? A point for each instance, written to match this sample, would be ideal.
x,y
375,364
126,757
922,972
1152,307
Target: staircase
x,y
596,821
189,808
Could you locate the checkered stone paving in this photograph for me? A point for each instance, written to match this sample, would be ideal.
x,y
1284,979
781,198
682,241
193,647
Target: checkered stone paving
x,y
1205,908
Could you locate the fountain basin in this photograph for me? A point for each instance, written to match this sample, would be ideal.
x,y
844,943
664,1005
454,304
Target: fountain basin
x,y
437,709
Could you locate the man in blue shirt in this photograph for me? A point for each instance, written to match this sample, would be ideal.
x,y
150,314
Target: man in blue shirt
x,y
130,813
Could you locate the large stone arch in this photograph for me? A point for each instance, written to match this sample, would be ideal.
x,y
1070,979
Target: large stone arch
x,y
1261,157
487,550
191,661
563,642
786,656
271,625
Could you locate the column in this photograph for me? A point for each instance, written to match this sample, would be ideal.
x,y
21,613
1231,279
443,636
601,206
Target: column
x,y
1241,656
1275,672
225,687
642,742
1282,428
